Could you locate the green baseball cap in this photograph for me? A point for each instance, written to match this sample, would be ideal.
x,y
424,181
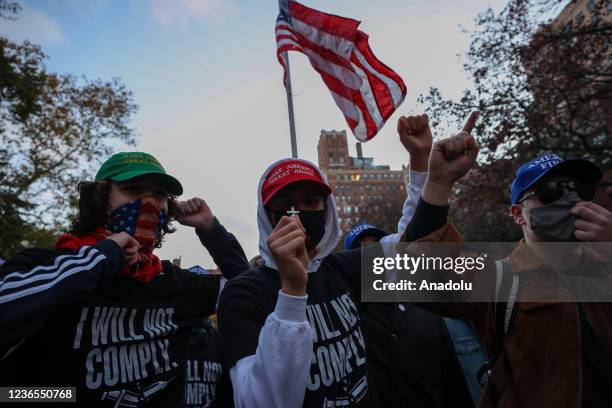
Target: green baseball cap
x,y
128,165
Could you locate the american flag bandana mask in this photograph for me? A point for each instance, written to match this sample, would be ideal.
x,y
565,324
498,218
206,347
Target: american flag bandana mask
x,y
143,219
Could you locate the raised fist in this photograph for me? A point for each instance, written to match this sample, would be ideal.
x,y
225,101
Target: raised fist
x,y
415,135
196,213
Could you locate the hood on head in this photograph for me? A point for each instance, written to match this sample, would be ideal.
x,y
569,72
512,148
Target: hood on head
x,y
332,225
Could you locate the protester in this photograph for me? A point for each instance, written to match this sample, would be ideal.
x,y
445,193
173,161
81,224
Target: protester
x,y
362,234
204,367
397,333
207,383
101,312
290,330
555,353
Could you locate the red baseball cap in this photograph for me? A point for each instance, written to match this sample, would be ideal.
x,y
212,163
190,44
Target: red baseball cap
x,y
289,172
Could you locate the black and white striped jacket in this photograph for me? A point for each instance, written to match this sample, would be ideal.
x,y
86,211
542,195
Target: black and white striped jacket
x,y
37,281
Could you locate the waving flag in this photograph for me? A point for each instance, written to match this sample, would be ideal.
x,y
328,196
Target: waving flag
x,y
366,90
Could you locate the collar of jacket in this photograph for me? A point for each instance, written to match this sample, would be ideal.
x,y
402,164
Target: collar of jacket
x,y
523,259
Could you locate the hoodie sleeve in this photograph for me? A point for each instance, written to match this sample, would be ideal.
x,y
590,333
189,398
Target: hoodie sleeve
x,y
36,281
269,359
413,193
225,250
427,219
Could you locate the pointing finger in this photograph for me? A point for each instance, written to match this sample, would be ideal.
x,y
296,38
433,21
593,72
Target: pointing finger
x,y
471,121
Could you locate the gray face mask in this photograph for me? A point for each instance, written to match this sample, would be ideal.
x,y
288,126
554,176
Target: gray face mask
x,y
555,221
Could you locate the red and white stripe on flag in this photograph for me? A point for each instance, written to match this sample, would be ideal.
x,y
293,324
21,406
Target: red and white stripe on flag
x,y
366,90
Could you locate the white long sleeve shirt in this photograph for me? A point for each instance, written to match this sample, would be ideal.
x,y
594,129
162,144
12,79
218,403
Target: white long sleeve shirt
x,y
276,375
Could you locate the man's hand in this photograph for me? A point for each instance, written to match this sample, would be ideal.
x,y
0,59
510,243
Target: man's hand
x,y
594,224
129,245
287,244
196,213
415,135
450,160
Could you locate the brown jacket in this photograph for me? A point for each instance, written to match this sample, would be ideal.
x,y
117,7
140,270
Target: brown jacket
x,y
540,361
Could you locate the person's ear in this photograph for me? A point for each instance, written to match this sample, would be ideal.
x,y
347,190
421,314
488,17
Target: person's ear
x,y
516,212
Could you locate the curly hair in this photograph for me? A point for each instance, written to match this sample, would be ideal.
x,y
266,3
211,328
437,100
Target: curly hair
x,y
94,209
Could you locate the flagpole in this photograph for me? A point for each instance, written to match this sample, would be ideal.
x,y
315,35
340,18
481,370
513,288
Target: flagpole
x,y
294,153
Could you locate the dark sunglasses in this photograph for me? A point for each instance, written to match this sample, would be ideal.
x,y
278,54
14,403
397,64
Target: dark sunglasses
x,y
554,190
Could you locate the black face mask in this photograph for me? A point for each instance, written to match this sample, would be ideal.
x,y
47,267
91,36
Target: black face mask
x,y
313,222
555,221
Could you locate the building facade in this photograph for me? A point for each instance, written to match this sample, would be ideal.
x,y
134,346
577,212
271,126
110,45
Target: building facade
x,y
364,192
589,12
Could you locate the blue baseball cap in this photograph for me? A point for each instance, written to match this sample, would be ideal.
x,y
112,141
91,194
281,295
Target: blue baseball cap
x,y
198,270
529,173
359,231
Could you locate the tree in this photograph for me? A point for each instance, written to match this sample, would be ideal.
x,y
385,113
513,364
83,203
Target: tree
x,y
55,130
541,84
9,9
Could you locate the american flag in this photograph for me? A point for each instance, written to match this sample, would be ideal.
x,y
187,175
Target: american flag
x,y
366,90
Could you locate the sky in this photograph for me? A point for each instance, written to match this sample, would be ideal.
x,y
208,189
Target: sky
x,y
212,106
